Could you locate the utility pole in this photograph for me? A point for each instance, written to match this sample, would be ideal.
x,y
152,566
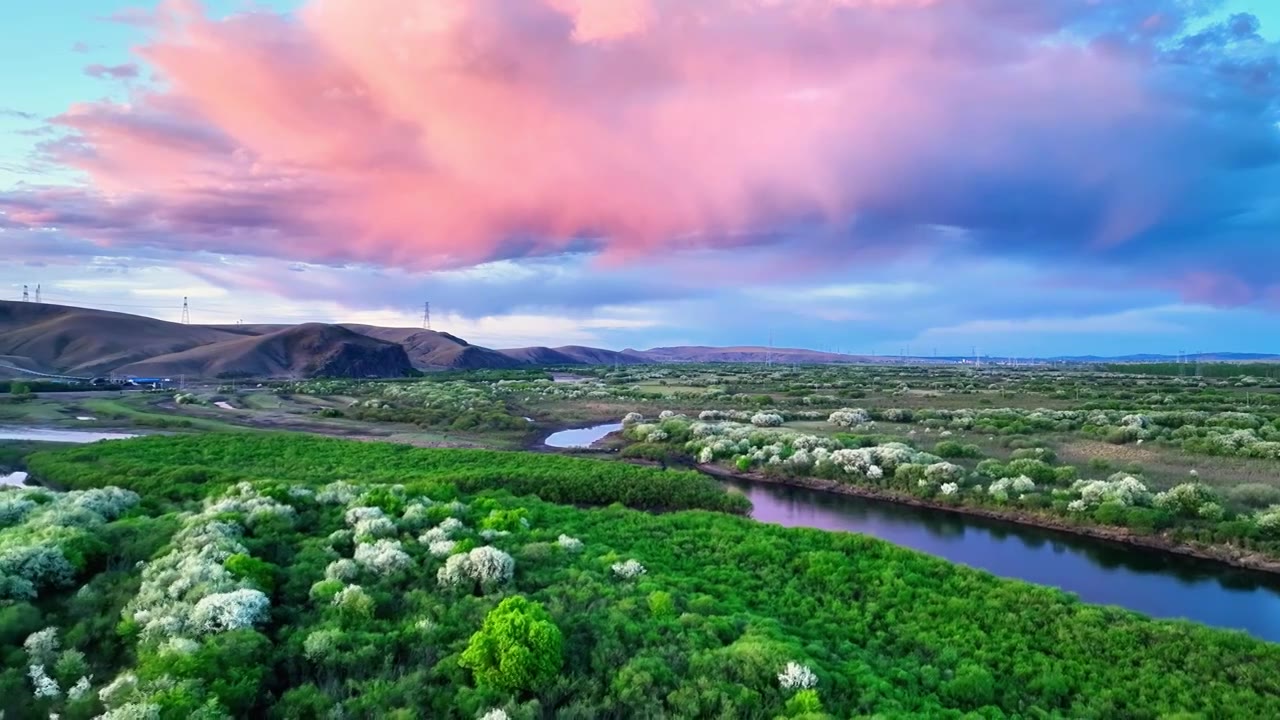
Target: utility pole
x,y
186,312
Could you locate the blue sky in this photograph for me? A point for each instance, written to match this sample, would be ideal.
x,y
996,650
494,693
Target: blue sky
x,y
1033,178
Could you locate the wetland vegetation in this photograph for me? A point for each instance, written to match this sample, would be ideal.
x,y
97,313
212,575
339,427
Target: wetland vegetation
x,y
225,571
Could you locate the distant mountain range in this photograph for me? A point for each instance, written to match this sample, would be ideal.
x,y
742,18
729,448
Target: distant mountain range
x,y
40,339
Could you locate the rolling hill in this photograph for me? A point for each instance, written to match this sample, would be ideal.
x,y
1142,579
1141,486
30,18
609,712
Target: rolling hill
x,y
301,351
40,339
431,350
574,355
80,341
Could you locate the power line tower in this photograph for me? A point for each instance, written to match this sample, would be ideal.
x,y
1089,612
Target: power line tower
x,y
37,293
426,316
25,296
186,312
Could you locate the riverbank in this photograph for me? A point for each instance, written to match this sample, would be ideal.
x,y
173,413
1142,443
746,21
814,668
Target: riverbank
x,y
1234,557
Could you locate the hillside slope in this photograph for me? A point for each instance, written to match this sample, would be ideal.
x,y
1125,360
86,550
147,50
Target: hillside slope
x,y
311,350
573,355
80,341
432,350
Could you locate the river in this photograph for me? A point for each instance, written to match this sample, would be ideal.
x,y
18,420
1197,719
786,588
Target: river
x,y
64,436
1151,582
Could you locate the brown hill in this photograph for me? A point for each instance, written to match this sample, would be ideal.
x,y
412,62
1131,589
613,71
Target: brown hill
x,y
301,351
431,350
573,355
80,341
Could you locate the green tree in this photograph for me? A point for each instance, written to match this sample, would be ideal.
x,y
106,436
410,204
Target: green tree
x,y
519,647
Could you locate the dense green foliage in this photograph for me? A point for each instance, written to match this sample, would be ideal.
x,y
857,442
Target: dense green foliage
x,y
518,649
704,625
182,467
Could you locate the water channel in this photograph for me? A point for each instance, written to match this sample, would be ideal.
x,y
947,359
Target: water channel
x,y
64,436
1150,582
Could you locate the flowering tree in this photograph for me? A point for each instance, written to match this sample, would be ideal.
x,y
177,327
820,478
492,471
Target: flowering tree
x,y
849,417
484,567
45,686
797,677
628,570
234,610
383,557
42,647
764,419
1186,499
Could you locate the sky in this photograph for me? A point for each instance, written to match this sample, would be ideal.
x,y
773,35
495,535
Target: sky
x,y
1019,177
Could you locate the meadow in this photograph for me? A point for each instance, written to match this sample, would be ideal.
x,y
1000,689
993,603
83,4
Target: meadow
x,y
1149,449
283,575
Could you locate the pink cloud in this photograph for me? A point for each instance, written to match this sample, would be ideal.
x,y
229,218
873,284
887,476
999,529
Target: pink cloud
x,y
439,134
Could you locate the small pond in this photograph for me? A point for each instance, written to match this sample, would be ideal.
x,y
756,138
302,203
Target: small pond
x,y
580,437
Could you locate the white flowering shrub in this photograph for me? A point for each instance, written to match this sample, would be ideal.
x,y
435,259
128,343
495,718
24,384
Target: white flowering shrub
x,y
1002,489
354,600
495,714
1186,499
441,548
45,686
180,646
342,569
108,503
944,472
415,517
301,492
132,711
383,557
632,418
80,690
485,565
767,419
949,488
849,418
449,527
115,692
369,523
37,566
337,493
628,570
797,677
42,646
1268,520
233,610
571,544
1124,489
